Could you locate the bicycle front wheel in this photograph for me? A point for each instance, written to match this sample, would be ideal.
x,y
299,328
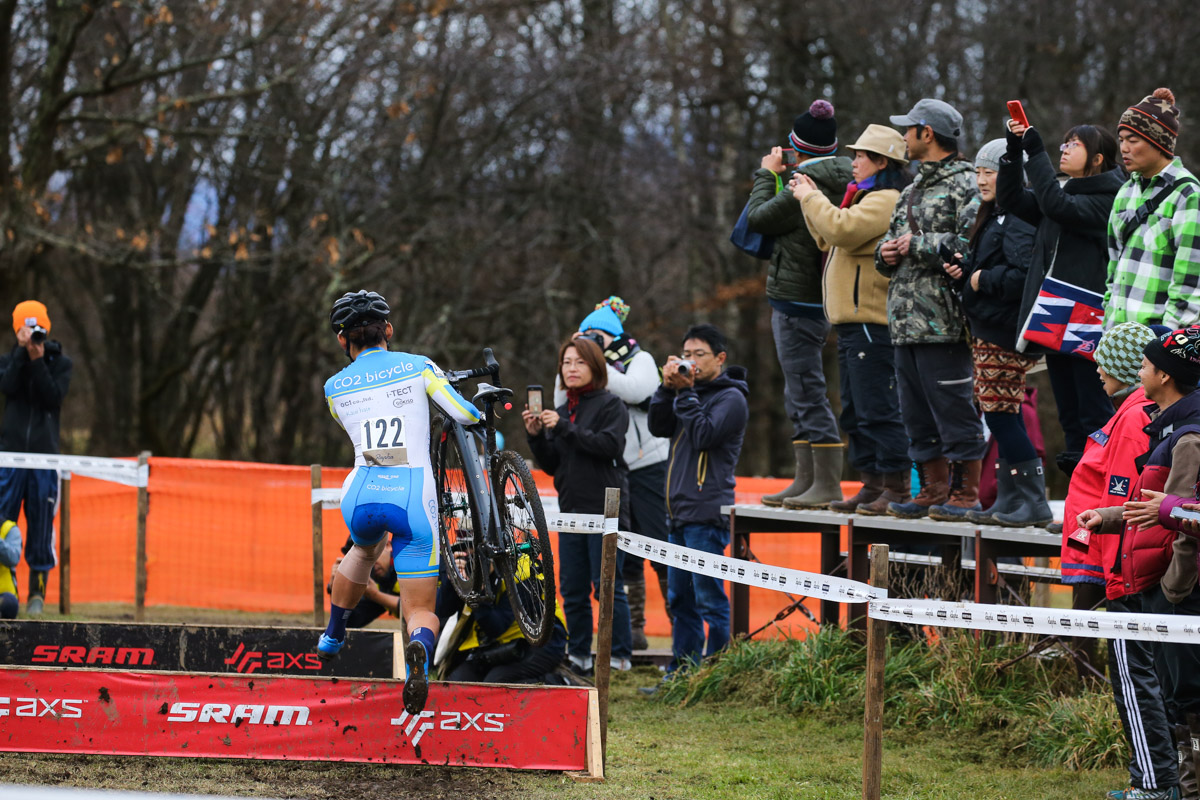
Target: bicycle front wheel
x,y
459,530
527,565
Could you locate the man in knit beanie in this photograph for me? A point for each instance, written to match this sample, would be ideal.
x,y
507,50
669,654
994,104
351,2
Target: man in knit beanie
x,y
1145,550
794,294
1154,226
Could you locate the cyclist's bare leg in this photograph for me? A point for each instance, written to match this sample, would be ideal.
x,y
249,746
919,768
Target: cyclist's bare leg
x,y
349,585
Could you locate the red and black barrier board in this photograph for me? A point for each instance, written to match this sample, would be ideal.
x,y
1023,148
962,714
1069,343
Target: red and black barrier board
x,y
193,648
294,718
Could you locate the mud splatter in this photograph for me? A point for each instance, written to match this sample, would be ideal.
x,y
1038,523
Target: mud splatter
x,y
104,696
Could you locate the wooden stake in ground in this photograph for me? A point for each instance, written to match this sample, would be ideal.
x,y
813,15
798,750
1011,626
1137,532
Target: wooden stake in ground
x,y
318,544
143,508
608,576
64,544
876,654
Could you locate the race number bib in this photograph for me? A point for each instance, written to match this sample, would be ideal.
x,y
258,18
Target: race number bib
x,y
383,442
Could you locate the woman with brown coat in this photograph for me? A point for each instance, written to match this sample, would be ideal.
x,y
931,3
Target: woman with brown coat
x,y
855,297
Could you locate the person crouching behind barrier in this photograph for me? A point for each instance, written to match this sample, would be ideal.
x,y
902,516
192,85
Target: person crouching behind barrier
x,y
391,488
10,554
486,644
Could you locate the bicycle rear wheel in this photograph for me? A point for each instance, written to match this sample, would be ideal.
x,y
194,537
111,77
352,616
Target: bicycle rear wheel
x,y
459,530
527,565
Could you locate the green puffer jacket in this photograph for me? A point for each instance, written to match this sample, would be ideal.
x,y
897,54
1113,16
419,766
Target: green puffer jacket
x,y
794,273
921,306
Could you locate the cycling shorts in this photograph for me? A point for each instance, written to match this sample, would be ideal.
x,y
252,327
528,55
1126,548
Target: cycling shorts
x,y
397,500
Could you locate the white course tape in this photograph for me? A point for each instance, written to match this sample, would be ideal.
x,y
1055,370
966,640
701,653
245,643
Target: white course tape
x,y
750,573
1050,621
328,498
579,523
116,470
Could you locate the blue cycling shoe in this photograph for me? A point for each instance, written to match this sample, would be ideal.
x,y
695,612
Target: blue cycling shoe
x,y
328,647
416,685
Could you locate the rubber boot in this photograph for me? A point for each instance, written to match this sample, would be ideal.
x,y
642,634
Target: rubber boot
x,y
635,592
935,489
964,492
1033,508
827,478
803,479
1188,787
1007,497
896,489
872,487
662,586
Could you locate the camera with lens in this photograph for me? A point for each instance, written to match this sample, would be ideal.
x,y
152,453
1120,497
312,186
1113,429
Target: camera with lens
x,y
38,335
686,367
593,337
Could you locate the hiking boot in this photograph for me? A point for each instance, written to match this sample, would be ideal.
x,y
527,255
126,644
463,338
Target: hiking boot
x,y
1054,527
803,479
328,647
827,479
1006,497
1134,793
895,490
635,592
935,489
1032,508
964,492
416,685
872,487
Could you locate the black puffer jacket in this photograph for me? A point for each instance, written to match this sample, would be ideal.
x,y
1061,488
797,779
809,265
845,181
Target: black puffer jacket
x,y
34,393
1001,256
1071,218
585,456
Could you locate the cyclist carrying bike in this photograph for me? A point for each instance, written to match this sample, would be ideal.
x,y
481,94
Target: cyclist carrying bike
x,y
379,400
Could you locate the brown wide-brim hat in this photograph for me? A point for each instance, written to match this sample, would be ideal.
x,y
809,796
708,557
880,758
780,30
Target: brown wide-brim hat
x,y
882,141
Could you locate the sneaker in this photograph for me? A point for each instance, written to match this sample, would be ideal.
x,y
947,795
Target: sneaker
x,y
583,667
621,664
416,685
1134,793
35,606
328,647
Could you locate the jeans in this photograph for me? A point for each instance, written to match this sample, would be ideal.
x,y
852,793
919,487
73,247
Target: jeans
x,y
798,344
579,559
697,599
870,405
648,502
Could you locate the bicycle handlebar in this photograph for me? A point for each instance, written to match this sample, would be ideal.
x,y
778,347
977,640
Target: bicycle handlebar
x,y
492,369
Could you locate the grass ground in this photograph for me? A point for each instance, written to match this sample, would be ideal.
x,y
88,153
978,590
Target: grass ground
x,y
739,746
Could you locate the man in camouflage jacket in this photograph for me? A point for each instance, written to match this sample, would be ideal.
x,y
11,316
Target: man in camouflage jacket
x,y
933,360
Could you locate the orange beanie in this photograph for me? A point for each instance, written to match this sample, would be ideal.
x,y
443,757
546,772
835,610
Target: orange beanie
x,y
27,309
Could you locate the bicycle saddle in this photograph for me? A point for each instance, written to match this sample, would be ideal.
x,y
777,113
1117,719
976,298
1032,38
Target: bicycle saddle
x,y
490,394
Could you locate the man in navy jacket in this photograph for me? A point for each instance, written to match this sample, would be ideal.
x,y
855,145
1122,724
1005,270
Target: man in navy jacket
x,y
702,408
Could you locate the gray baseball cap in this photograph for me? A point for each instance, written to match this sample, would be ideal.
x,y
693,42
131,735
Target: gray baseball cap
x,y
939,115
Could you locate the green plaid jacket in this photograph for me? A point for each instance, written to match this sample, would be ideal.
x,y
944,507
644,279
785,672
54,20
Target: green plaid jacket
x,y
1154,270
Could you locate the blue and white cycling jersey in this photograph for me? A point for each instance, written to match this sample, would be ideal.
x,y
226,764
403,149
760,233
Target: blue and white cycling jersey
x,y
379,399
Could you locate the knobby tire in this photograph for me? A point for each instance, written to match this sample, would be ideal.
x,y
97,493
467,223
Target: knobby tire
x,y
527,565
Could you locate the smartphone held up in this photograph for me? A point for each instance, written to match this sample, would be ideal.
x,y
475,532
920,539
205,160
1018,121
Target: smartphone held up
x,y
1017,112
533,398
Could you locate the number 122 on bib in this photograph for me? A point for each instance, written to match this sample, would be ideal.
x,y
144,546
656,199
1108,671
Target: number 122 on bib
x,y
383,442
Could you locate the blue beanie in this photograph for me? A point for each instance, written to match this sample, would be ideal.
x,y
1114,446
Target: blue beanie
x,y
603,319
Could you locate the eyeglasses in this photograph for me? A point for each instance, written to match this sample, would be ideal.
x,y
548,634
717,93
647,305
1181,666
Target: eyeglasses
x,y
689,354
1071,145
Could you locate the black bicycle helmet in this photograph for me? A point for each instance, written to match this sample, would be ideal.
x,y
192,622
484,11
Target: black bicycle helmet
x,y
355,309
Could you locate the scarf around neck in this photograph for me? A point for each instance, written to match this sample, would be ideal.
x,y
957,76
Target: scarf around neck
x,y
574,396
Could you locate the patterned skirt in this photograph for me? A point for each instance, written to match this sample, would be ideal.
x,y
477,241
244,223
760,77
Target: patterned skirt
x,y
999,377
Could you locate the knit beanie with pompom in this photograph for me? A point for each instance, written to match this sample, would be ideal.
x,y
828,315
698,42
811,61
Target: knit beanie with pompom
x,y
1155,119
814,132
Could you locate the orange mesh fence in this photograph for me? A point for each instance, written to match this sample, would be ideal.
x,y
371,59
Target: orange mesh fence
x,y
237,535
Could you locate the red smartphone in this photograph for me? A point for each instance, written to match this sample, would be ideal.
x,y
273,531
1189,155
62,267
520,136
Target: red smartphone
x,y
789,157
1017,112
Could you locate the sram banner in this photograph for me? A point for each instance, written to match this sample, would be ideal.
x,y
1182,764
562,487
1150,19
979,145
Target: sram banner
x,y
295,718
192,648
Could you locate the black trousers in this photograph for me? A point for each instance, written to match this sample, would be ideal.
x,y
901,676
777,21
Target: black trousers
x,y
648,504
1132,667
1180,673
870,404
1083,407
531,669
937,403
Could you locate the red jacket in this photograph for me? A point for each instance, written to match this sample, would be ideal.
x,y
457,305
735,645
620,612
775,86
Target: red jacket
x,y
1104,477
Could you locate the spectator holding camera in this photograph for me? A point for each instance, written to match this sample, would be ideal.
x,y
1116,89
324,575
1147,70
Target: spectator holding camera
x,y
34,378
1148,579
855,296
990,281
798,319
1070,246
702,408
581,444
933,361
633,377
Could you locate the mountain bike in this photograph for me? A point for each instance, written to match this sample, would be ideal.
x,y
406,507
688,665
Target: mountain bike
x,y
489,512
